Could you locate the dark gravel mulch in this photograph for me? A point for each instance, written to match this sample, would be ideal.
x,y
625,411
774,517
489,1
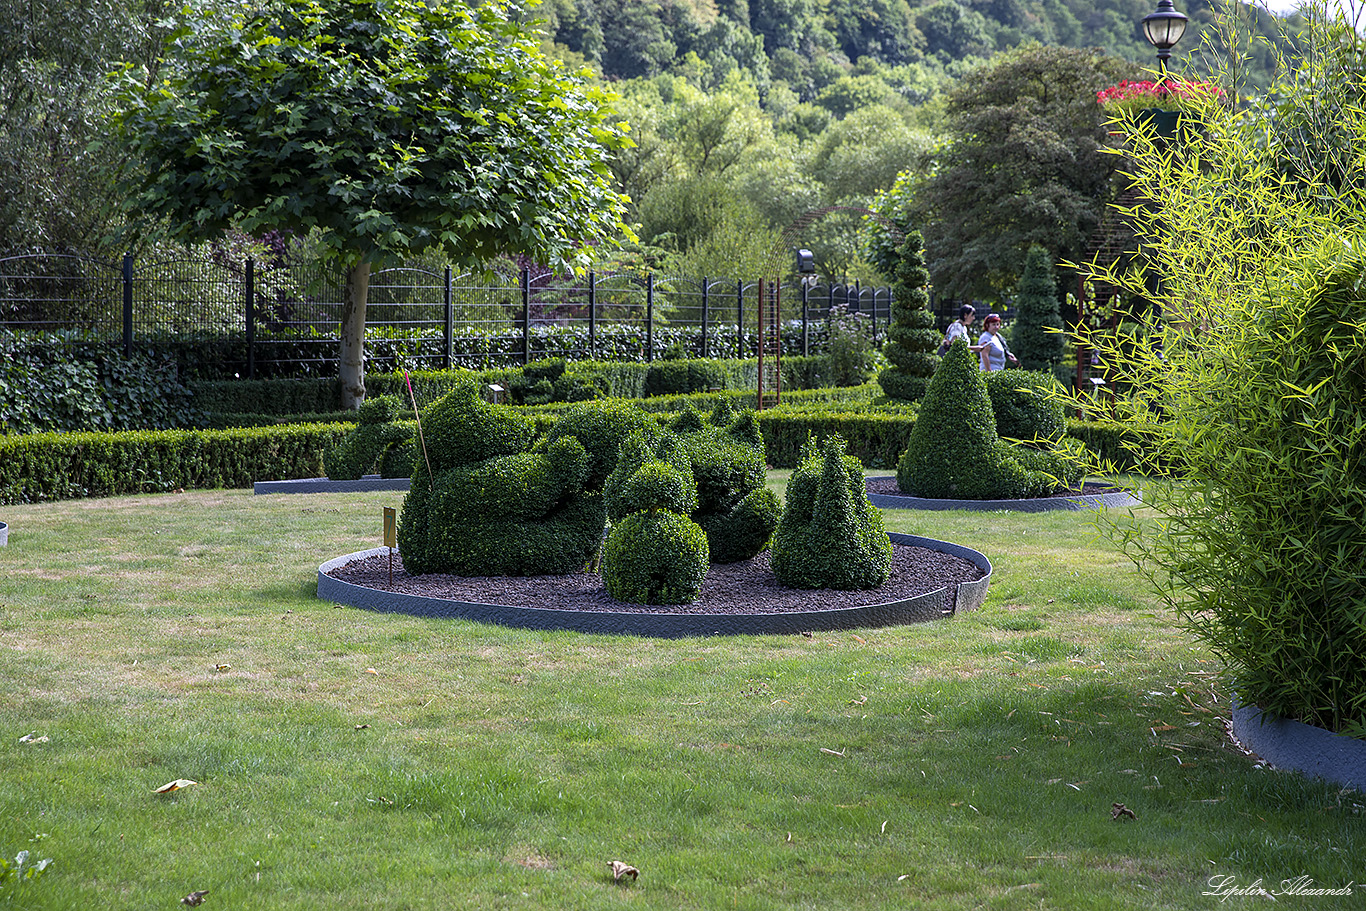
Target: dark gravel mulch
x,y
887,487
748,587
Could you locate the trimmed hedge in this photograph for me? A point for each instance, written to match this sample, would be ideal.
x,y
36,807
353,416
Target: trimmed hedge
x,y
577,379
1028,405
380,443
875,439
1123,447
58,466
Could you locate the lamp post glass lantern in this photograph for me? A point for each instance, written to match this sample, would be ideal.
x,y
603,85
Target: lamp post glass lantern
x,y
1163,29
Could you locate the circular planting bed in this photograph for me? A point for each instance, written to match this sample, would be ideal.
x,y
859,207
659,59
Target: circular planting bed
x,y
930,580
883,492
1287,744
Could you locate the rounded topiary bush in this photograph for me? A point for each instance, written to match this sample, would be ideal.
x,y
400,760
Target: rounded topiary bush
x,y
601,427
829,535
651,477
1028,405
655,557
744,530
955,452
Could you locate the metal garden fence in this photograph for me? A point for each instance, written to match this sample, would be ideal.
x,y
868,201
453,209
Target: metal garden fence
x,y
249,319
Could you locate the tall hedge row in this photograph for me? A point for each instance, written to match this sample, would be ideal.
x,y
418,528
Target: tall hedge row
x,y
59,466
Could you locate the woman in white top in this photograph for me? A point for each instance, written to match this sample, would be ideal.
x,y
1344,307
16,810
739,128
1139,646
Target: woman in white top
x,y
991,348
959,327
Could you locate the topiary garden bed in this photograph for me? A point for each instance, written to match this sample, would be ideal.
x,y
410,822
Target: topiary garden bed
x,y
929,580
884,493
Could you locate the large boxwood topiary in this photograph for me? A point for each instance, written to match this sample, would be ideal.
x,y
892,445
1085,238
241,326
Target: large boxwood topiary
x,y
378,444
955,452
490,506
734,507
829,535
655,554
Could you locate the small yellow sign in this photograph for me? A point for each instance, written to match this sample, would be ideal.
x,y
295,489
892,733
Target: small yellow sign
x,y
390,527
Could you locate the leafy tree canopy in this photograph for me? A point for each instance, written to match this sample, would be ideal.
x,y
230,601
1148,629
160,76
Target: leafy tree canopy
x,y
381,127
1025,164
388,126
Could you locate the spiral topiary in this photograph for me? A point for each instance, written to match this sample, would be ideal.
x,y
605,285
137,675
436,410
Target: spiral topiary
x,y
911,338
830,535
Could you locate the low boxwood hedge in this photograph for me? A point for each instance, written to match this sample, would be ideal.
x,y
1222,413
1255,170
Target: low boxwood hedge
x,y
58,466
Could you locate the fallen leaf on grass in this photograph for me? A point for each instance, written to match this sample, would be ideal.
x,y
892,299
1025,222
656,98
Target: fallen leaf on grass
x,y
1119,810
859,701
29,738
620,869
831,752
195,898
174,786
371,670
223,667
361,727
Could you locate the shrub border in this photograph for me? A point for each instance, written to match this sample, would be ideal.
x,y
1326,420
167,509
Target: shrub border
x,y
1040,504
929,606
1287,744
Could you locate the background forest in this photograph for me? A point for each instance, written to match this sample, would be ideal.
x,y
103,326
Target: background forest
x,y
747,117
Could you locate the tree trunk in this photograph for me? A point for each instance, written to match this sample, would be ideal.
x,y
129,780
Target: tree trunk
x,y
352,357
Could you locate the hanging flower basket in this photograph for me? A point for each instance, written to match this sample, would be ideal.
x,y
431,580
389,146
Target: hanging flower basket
x,y
1171,108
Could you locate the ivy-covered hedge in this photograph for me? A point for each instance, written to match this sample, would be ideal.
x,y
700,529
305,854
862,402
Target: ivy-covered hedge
x,y
58,466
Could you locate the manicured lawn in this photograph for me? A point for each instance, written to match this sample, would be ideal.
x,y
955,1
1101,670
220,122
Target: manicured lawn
x,y
348,759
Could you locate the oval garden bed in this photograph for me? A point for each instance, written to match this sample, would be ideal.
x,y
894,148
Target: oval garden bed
x,y
1287,744
930,580
884,493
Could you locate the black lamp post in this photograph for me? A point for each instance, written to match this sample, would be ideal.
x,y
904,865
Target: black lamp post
x,y
1163,29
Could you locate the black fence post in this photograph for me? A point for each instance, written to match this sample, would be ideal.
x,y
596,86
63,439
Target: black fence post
x,y
740,318
592,315
806,320
251,318
649,317
526,317
450,322
128,305
705,280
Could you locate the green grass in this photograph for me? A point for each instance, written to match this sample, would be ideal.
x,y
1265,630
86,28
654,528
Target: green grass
x,y
965,764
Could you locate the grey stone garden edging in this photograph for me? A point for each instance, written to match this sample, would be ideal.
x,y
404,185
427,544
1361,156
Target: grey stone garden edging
x,y
324,485
4,534
930,606
1302,747
1042,504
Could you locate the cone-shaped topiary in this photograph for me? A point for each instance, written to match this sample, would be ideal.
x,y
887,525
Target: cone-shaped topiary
x,y
954,451
490,506
655,557
829,535
1036,338
379,443
911,338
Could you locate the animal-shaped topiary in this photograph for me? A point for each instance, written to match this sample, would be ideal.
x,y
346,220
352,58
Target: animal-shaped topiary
x,y
379,443
830,535
954,451
654,554
491,505
734,507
